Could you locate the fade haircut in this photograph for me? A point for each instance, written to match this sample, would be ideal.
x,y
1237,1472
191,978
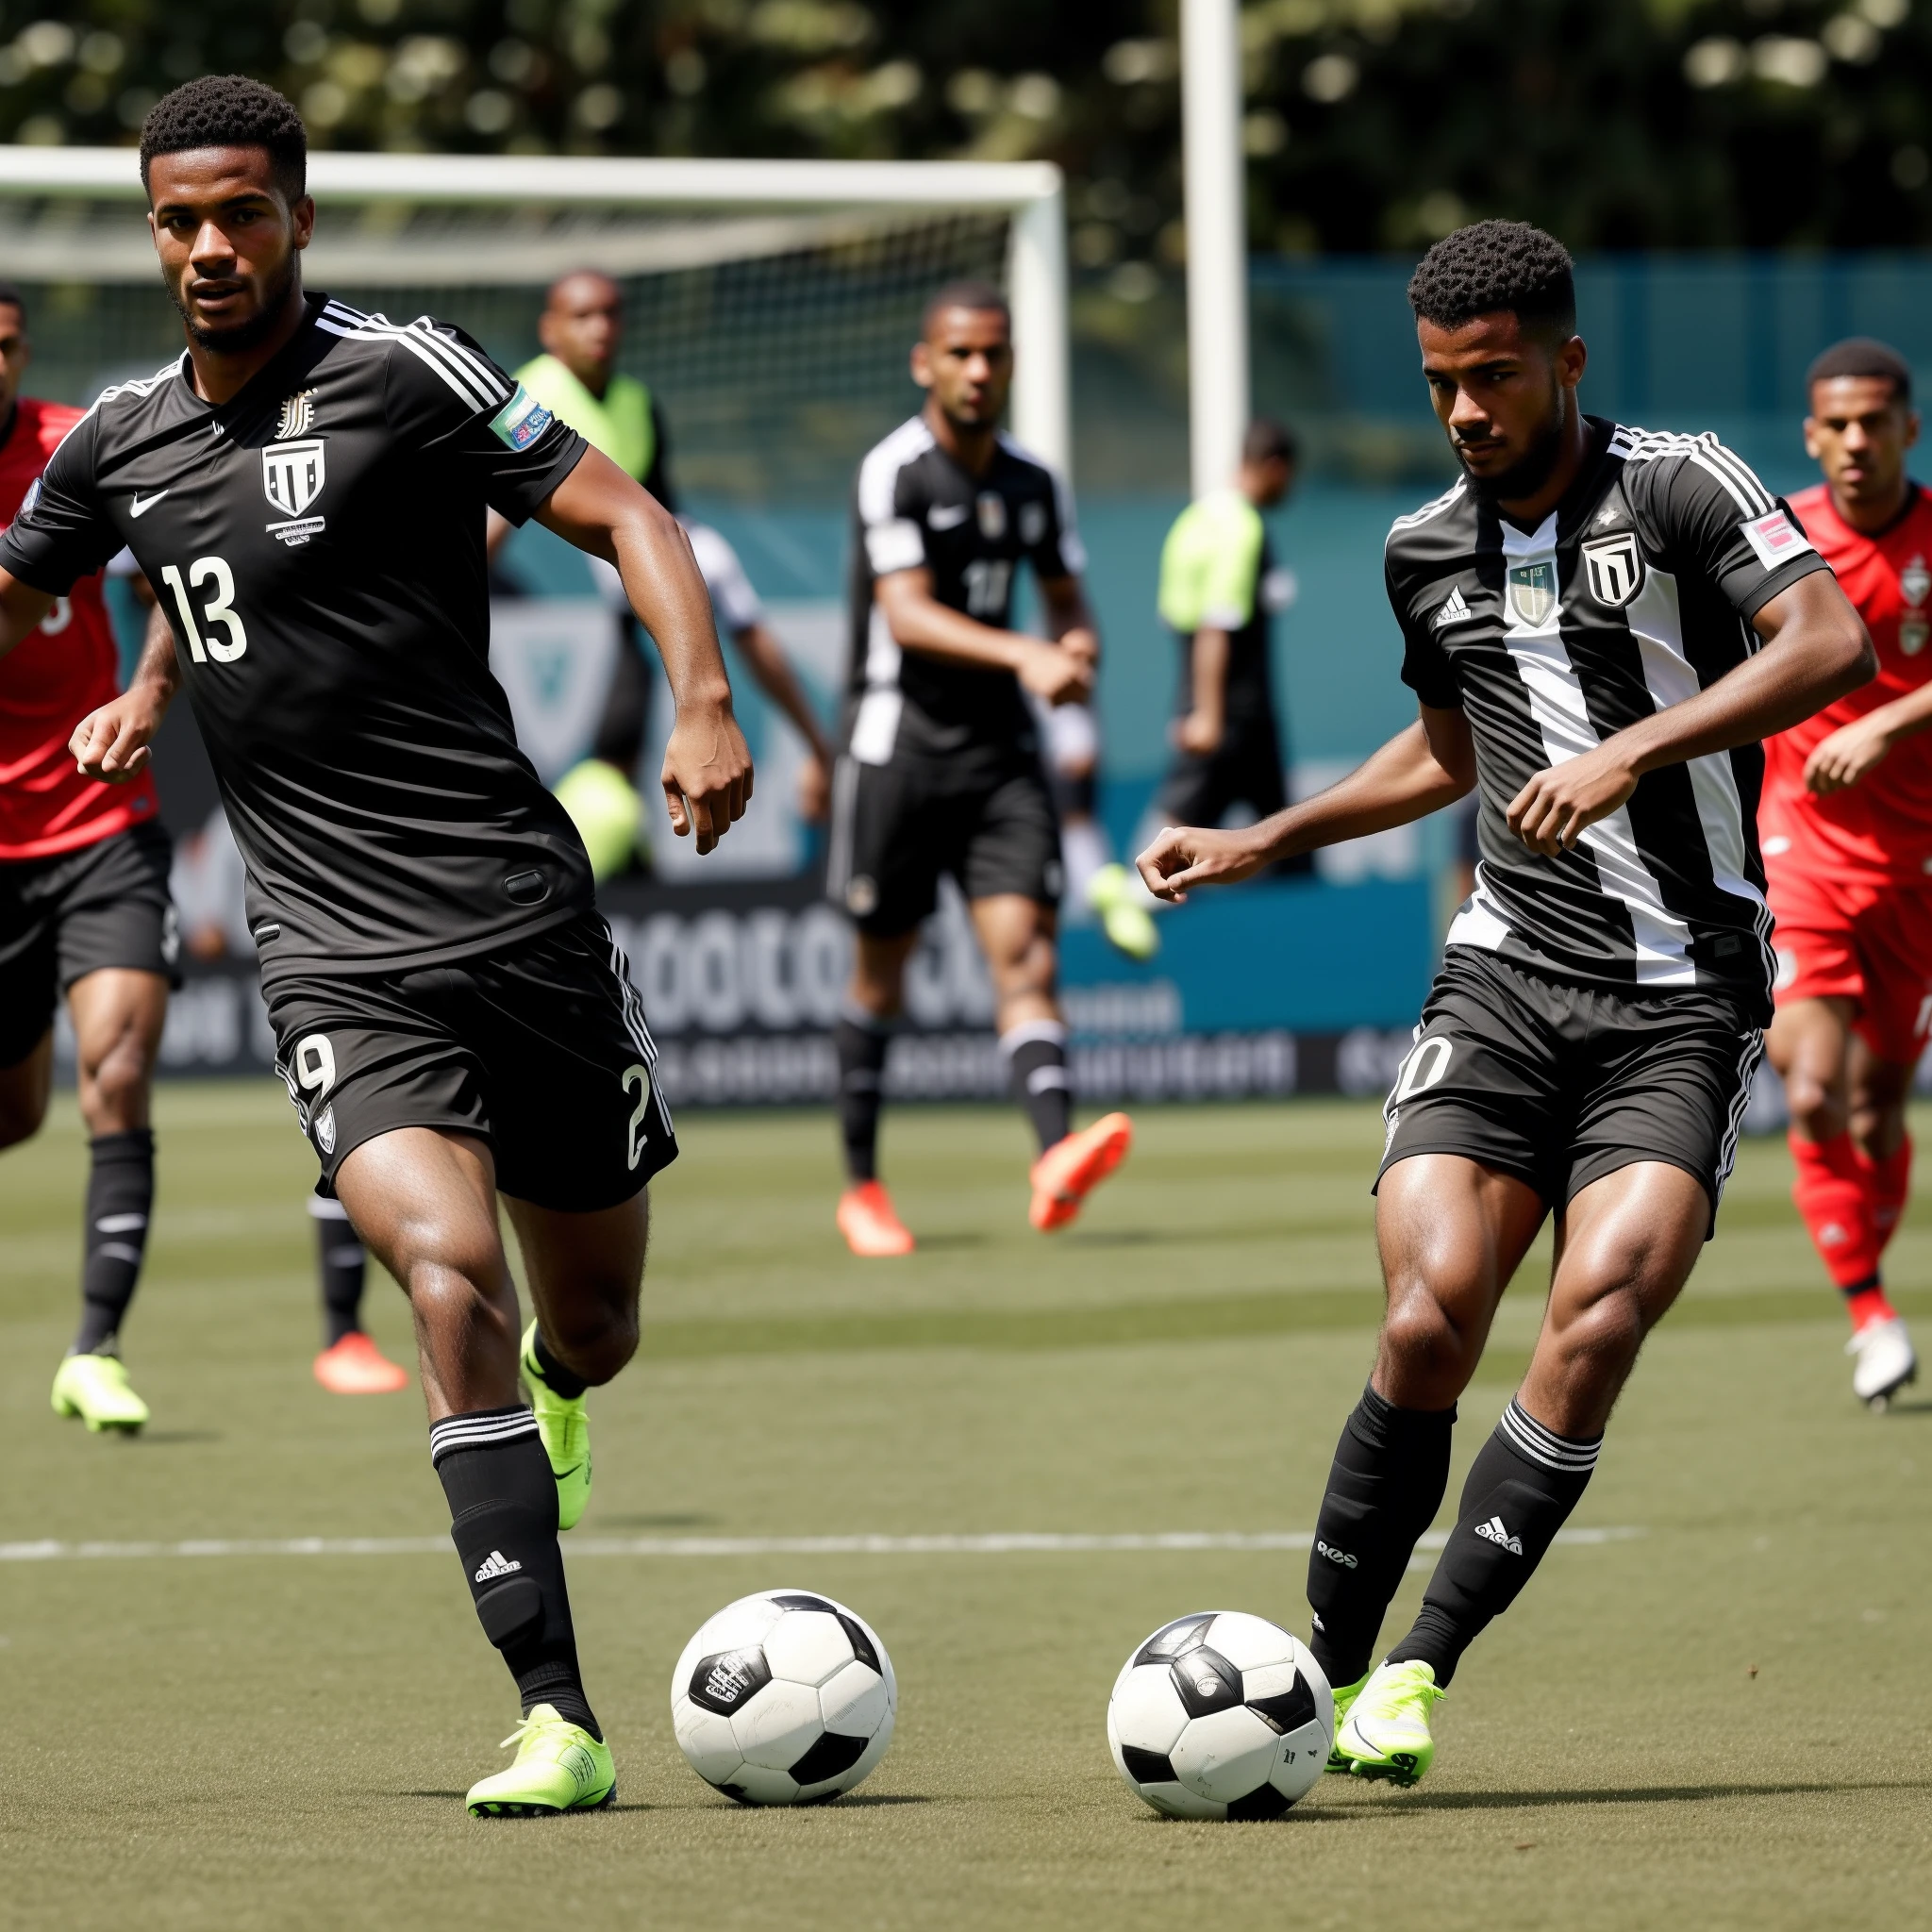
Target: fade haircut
x,y
979,297
1491,267
1864,355
1269,442
230,110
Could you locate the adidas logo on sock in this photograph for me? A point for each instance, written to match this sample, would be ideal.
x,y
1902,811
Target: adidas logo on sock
x,y
1455,611
1492,1531
497,1564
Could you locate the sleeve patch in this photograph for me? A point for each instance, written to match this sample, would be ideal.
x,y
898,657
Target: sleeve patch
x,y
895,546
522,420
1775,538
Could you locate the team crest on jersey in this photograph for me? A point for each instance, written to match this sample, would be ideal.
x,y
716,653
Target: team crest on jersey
x,y
292,475
991,507
1533,591
297,417
1616,568
1915,581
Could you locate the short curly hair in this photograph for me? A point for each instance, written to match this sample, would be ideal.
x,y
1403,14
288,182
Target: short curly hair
x,y
1493,266
229,111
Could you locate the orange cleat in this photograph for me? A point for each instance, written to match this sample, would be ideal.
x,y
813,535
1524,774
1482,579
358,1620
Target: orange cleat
x,y
1069,1170
869,1225
354,1366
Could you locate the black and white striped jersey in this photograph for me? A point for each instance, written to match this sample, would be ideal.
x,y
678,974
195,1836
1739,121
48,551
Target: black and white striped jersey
x,y
1633,594
317,543
914,508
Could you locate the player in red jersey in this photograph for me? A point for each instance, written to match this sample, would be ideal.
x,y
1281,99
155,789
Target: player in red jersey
x,y
84,910
1847,825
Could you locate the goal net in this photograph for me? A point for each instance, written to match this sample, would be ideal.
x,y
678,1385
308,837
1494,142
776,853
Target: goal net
x,y
771,304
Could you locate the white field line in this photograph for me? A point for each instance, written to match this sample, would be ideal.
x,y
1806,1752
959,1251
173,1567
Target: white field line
x,y
1014,1543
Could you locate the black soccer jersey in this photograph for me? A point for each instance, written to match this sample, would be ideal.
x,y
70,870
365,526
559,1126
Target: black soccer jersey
x,y
914,508
1636,592
317,543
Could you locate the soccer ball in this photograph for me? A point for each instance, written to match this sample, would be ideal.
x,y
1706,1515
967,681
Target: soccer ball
x,y
1220,1715
784,1698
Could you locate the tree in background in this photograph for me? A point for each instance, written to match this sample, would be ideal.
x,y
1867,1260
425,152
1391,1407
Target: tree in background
x,y
1370,123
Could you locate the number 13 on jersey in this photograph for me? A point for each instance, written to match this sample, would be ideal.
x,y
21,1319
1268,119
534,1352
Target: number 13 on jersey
x,y
214,572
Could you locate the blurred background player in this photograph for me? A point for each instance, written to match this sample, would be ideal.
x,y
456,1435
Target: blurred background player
x,y
1094,878
577,379
940,771
84,911
1846,825
1220,588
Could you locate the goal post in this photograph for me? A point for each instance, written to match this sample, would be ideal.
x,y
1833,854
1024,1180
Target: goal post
x,y
429,221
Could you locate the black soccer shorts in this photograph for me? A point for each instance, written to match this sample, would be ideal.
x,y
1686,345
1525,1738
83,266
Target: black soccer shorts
x,y
79,912
539,1049
896,827
1561,1084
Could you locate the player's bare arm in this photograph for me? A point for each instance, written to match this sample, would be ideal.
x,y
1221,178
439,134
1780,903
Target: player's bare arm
x,y
1201,731
22,608
114,741
766,659
707,774
1429,766
1861,746
1061,672
1815,650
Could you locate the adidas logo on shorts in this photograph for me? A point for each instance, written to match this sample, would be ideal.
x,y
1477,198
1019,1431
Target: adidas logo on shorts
x,y
495,1564
1492,1531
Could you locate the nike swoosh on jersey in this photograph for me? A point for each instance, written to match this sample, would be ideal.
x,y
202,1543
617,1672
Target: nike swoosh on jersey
x,y
139,508
948,516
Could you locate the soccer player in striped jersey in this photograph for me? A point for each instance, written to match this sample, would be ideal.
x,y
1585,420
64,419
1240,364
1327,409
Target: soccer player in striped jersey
x,y
1847,829
307,487
1599,625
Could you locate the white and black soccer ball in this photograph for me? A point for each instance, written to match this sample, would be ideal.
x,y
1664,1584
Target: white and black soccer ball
x,y
1220,1715
784,1698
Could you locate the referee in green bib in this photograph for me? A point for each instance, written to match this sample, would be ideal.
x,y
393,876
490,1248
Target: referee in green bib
x,y
1220,588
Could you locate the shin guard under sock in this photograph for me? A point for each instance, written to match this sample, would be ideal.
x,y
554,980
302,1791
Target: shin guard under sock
x,y
1833,1194
1035,1055
119,1197
1390,1469
861,1040
503,1509
343,1265
1522,1487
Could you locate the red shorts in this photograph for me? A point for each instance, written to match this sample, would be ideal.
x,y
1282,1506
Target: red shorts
x,y
1860,940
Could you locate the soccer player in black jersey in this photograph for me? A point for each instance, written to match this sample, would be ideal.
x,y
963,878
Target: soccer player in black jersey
x,y
940,768
1599,625
307,488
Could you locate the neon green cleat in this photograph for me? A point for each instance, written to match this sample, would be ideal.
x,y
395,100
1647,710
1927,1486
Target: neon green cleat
x,y
1386,1735
95,1388
560,1767
1346,1696
565,1427
1114,892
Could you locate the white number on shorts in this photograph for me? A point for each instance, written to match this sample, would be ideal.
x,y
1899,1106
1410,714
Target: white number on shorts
x,y
985,585
642,1079
315,1064
1426,1062
214,571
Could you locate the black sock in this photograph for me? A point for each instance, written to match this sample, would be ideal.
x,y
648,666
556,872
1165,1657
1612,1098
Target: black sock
x,y
120,1197
861,1040
1390,1469
343,1265
1521,1488
503,1505
1035,1055
557,1378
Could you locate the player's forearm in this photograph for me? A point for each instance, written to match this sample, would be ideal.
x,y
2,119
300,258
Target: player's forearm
x,y
1397,785
1208,686
1069,617
1812,661
1904,717
157,671
779,683
22,608
921,623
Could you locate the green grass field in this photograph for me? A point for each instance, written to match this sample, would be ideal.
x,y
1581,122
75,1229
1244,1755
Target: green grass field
x,y
1726,1721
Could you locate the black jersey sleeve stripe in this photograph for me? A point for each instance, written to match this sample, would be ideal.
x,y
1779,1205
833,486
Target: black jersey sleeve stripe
x,y
422,343
1745,476
480,367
